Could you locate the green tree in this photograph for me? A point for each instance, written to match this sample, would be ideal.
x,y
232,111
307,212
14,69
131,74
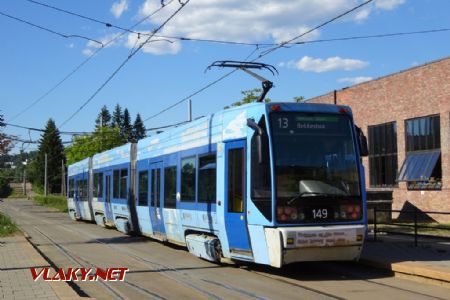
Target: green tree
x,y
298,99
5,142
117,118
50,144
5,145
5,189
139,131
127,128
103,118
250,96
102,139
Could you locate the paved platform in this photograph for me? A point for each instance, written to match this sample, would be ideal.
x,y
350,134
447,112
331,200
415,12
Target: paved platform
x,y
16,257
429,260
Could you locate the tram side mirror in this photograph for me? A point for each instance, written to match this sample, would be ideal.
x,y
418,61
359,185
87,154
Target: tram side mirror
x,y
363,149
258,136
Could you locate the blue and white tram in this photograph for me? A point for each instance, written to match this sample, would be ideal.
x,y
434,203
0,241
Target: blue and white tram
x,y
78,198
111,187
271,183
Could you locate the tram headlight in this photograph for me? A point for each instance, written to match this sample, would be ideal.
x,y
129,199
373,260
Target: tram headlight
x,y
301,216
350,211
287,213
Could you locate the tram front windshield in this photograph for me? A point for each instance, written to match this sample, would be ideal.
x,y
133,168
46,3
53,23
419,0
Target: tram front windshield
x,y
316,173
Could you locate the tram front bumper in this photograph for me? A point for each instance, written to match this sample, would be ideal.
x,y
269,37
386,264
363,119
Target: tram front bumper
x,y
314,243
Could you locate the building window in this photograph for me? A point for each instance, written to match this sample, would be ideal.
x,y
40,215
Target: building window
x,y
422,168
188,179
98,185
383,163
143,189
207,178
170,187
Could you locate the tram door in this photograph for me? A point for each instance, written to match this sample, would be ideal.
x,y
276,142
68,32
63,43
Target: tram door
x,y
156,208
142,205
108,211
76,198
235,195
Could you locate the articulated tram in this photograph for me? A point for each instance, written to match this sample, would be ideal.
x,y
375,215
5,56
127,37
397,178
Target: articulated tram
x,y
270,183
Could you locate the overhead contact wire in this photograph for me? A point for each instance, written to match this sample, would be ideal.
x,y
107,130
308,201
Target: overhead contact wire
x,y
84,62
50,30
183,4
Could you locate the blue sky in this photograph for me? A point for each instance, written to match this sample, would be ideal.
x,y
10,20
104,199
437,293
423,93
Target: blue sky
x,y
32,61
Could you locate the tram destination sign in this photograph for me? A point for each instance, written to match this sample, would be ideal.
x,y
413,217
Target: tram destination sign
x,y
307,123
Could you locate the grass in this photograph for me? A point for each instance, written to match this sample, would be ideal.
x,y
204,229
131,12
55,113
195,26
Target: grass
x,y
58,202
7,226
17,195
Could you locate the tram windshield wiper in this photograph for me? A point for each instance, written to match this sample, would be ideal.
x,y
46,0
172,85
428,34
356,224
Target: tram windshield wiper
x,y
309,194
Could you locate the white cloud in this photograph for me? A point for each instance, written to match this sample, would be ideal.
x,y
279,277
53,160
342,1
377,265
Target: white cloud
x,y
251,20
242,21
283,34
118,8
388,4
355,80
87,52
362,14
319,65
107,41
156,46
71,45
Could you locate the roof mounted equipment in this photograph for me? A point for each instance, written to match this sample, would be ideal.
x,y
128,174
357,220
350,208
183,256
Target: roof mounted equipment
x,y
245,66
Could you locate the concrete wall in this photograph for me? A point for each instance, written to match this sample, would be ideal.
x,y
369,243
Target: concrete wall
x,y
416,92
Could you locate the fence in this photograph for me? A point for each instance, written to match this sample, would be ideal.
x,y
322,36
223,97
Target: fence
x,y
415,226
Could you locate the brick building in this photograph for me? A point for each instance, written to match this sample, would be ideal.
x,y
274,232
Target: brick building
x,y
406,118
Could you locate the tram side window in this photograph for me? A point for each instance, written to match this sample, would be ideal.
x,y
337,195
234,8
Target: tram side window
x,y
98,185
123,184
188,179
116,186
156,188
120,181
236,180
207,178
71,188
82,190
143,188
170,187
261,192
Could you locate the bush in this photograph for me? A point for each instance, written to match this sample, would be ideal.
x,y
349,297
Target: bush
x,y
5,189
7,226
37,188
58,202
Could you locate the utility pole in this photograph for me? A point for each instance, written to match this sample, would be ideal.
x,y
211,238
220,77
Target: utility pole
x,y
189,110
63,178
24,189
45,176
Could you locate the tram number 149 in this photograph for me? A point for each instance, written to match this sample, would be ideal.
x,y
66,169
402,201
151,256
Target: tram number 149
x,y
321,213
